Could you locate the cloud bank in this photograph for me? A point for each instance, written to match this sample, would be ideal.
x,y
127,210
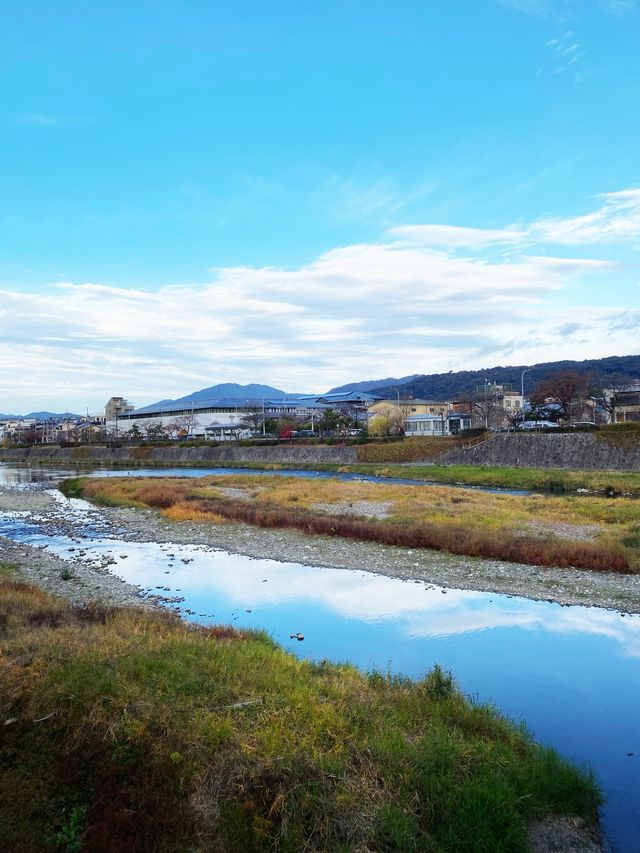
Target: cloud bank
x,y
425,298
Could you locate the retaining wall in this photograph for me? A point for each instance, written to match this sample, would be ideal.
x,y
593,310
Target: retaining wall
x,y
580,451
196,456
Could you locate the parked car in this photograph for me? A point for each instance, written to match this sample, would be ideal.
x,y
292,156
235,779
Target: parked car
x,y
537,425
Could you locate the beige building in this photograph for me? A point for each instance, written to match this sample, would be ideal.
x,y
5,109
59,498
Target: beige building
x,y
117,406
409,407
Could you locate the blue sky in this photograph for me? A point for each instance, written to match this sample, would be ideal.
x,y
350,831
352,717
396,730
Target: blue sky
x,y
310,193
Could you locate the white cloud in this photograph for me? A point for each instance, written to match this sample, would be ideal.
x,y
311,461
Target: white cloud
x,y
428,298
616,220
618,7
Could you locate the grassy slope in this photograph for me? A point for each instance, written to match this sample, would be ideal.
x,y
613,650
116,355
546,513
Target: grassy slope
x,y
552,531
125,735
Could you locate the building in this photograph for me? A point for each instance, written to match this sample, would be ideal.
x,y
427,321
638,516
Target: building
x,y
495,406
218,419
434,425
627,403
116,407
410,407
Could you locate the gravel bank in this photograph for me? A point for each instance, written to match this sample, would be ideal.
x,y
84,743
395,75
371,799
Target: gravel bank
x,y
613,591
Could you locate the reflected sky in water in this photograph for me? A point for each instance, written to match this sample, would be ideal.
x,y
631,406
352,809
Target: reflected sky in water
x,y
21,474
571,673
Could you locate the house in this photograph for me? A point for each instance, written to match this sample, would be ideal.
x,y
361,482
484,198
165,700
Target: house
x,y
628,403
495,406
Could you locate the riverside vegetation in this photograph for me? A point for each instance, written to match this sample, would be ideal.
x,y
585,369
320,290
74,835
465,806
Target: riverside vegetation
x,y
582,532
131,730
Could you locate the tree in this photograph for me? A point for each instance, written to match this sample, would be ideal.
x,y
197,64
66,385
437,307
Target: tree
x,y
254,421
286,428
483,405
610,390
182,426
329,420
567,389
134,434
387,421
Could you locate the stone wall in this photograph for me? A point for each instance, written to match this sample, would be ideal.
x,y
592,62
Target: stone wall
x,y
580,450
197,456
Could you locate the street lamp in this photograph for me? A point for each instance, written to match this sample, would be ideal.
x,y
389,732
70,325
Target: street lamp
x,y
486,411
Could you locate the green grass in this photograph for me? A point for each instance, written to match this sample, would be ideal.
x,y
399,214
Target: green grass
x,y
128,732
557,480
7,569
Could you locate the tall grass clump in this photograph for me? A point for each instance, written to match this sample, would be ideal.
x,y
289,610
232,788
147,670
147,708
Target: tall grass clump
x,y
132,731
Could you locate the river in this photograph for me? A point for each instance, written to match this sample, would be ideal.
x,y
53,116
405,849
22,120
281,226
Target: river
x,y
572,674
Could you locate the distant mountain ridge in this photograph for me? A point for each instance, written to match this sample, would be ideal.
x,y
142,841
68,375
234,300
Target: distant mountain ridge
x,y
448,386
372,384
40,416
232,390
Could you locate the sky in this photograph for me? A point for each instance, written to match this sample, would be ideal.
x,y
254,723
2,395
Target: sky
x,y
307,194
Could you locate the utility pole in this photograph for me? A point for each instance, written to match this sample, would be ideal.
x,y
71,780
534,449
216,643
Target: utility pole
x,y
526,370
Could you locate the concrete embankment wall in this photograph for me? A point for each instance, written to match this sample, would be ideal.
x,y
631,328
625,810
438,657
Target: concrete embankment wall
x,y
204,456
581,451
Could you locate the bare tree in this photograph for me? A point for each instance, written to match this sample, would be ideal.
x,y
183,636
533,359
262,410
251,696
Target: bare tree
x,y
253,420
567,389
183,426
610,391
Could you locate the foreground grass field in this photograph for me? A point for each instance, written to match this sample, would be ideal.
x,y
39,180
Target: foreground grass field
x,y
583,532
132,731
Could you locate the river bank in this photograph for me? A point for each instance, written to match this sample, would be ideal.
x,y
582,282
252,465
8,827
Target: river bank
x,y
565,586
139,731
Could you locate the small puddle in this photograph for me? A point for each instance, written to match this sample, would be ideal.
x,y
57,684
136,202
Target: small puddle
x,y
571,673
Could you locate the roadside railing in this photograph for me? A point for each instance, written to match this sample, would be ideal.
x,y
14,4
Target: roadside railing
x,y
479,439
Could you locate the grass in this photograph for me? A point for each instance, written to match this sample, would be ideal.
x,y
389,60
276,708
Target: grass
x,y
408,450
132,731
555,480
582,532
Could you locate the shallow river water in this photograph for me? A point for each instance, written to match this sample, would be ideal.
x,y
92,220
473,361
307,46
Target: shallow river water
x,y
572,674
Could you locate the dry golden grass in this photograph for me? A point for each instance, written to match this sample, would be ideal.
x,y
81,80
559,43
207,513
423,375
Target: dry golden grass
x,y
588,532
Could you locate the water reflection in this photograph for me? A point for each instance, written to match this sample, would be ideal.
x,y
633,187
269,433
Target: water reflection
x,y
12,474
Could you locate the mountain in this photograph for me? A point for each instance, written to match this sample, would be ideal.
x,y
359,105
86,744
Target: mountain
x,y
371,384
41,416
234,391
448,386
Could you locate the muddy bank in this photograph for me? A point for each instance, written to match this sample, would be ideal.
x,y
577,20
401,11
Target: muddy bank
x,y
566,586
